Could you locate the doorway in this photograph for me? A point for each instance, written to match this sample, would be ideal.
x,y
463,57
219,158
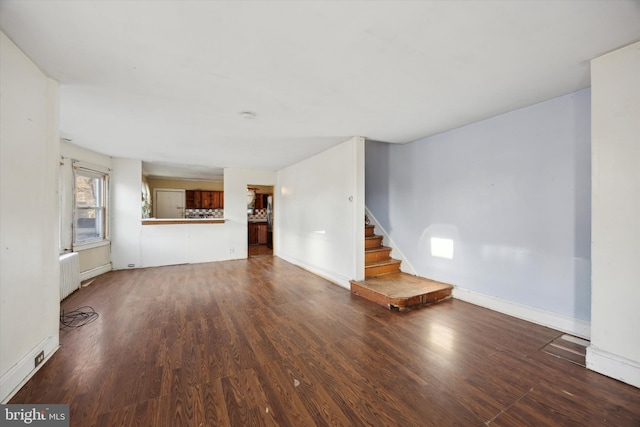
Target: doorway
x,y
168,203
260,220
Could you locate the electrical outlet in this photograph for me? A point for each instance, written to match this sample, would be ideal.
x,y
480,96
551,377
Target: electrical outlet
x,y
39,358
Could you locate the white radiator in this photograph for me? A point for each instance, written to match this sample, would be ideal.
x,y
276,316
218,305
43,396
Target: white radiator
x,y
69,274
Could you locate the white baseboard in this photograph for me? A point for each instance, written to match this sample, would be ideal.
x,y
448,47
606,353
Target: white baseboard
x,y
562,323
614,366
405,265
21,372
89,274
332,277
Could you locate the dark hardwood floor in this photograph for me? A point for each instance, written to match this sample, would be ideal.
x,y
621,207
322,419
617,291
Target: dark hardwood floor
x,y
262,342
259,250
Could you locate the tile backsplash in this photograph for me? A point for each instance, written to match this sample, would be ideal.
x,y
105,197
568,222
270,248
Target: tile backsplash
x,y
204,213
258,214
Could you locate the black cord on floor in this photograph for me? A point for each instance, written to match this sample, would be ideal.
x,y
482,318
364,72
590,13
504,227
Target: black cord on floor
x,y
78,317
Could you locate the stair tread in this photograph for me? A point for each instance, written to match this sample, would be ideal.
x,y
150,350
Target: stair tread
x,y
378,249
402,285
379,263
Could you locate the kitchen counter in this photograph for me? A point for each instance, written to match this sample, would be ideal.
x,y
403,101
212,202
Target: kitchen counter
x,y
165,221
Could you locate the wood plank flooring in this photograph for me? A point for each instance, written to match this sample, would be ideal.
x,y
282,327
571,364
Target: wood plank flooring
x,y
259,250
260,342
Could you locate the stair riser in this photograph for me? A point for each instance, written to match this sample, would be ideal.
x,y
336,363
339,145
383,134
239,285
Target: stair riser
x,y
381,269
425,299
400,304
373,243
369,230
376,256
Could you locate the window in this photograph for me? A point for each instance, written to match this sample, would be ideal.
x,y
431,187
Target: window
x,y
90,206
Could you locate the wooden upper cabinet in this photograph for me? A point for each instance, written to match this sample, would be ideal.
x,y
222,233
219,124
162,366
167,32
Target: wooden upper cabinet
x,y
200,199
215,200
190,199
261,201
206,200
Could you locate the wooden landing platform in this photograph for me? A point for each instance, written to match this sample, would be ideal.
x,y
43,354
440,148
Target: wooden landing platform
x,y
401,291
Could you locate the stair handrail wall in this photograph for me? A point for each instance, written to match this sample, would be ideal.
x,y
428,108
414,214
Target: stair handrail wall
x,y
405,266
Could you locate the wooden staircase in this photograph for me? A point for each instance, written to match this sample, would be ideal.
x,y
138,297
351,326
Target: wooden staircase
x,y
386,285
376,257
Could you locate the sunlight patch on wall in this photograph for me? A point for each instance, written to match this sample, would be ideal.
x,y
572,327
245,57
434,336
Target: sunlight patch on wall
x,y
442,248
285,191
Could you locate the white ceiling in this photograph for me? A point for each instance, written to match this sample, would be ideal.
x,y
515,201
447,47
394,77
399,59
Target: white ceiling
x,y
166,81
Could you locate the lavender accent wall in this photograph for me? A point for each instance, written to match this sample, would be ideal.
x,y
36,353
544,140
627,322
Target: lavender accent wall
x,y
512,192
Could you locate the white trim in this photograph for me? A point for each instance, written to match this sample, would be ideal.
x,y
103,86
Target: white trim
x,y
90,245
66,205
560,322
79,164
21,372
358,218
405,266
89,274
332,277
105,204
614,366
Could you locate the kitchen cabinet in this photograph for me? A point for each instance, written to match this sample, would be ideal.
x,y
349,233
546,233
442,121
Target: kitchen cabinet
x,y
206,201
258,204
261,201
258,233
253,234
212,199
216,199
190,199
262,233
201,199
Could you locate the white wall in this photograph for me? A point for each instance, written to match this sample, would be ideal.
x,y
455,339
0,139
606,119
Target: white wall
x,y
615,338
126,212
184,244
319,223
512,192
29,269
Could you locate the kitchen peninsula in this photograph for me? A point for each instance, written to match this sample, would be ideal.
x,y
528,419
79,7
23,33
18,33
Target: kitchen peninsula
x,y
168,221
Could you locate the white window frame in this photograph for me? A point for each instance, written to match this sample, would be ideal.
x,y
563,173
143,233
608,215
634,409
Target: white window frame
x,y
66,206
103,174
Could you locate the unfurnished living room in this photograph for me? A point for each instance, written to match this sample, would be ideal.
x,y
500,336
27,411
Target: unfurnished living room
x,y
300,213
